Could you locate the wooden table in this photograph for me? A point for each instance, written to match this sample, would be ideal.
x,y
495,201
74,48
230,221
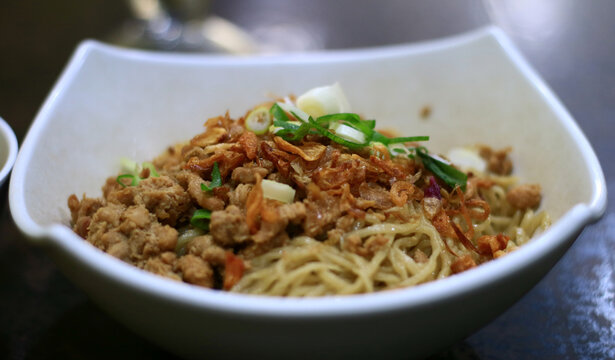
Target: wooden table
x,y
569,314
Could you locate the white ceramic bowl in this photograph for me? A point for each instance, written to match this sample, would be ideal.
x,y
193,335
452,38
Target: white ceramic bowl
x,y
113,102
8,150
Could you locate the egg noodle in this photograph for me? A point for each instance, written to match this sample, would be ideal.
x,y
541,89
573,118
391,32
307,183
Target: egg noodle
x,y
307,267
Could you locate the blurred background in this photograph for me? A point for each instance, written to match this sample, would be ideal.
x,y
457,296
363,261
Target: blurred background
x,y
570,314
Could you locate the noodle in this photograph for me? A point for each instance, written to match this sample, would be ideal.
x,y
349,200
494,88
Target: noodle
x,y
307,267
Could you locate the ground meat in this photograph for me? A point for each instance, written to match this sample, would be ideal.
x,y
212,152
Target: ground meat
x,y
345,223
239,195
130,233
195,270
271,237
374,243
294,212
228,227
498,161
163,265
205,199
247,175
204,247
110,185
490,244
118,245
160,195
462,264
81,213
272,234
170,160
285,213
524,196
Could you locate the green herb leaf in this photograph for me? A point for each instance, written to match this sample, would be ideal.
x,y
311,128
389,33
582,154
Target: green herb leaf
x,y
398,140
285,125
378,137
278,113
352,120
216,179
451,176
200,219
133,182
294,132
152,169
325,132
303,130
289,131
134,171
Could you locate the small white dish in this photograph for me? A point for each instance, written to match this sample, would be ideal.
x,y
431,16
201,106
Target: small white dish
x,y
112,102
8,150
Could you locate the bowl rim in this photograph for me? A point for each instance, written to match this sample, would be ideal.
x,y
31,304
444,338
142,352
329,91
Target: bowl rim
x,y
62,239
6,132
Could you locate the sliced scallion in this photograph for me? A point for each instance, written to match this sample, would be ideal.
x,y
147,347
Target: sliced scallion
x,y
259,120
216,179
447,173
134,170
200,219
134,180
278,114
398,140
347,132
325,132
152,169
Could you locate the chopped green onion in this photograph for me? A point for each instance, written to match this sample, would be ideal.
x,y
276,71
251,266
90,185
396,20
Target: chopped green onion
x,y
278,114
152,169
288,125
325,132
354,120
259,120
348,132
295,111
133,182
134,171
200,219
129,166
303,130
348,128
398,140
378,137
447,173
216,179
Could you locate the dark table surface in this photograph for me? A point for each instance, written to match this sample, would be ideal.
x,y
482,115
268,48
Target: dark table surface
x,y
569,314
